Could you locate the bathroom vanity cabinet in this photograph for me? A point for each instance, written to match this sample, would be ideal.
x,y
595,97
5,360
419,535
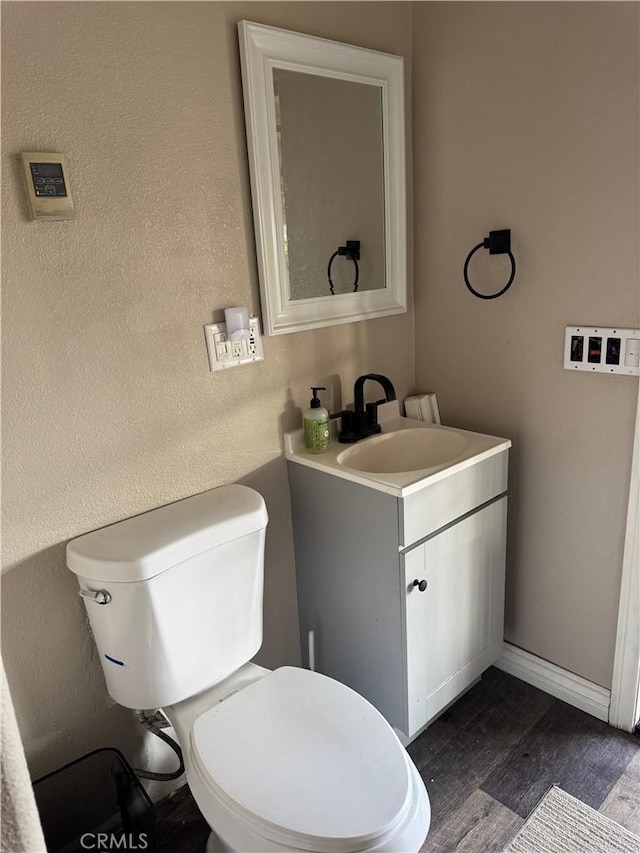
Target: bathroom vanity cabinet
x,y
401,595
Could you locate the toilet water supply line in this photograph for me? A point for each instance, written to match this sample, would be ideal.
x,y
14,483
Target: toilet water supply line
x,y
153,725
312,651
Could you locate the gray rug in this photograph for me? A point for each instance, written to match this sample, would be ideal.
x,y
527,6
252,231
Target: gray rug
x,y
562,824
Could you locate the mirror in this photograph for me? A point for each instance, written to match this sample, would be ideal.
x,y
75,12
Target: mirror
x,y
331,177
325,135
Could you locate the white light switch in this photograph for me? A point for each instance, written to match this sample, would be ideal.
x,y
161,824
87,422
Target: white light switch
x,y
602,350
632,352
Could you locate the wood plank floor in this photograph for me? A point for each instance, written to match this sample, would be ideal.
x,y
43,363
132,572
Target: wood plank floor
x,y
486,763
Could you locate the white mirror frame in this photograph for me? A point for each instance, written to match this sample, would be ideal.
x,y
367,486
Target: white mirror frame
x,y
261,50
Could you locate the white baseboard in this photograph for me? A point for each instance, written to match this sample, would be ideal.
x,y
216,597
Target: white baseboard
x,y
558,682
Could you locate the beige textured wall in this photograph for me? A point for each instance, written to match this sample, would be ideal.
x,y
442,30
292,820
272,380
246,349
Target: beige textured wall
x,y
109,408
526,116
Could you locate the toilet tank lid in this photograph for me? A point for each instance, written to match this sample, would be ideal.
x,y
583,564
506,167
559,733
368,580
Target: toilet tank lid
x,y
141,547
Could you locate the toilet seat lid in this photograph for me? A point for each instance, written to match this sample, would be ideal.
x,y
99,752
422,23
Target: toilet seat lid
x,y
302,759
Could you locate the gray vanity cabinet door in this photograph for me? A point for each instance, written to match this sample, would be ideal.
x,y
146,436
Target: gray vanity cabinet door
x,y
453,615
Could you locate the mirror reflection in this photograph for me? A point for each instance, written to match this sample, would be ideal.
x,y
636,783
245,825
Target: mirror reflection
x,y
331,157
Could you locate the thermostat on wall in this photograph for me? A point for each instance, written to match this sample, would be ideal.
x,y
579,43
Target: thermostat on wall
x,y
48,190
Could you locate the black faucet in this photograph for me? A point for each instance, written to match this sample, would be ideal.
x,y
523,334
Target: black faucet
x,y
363,420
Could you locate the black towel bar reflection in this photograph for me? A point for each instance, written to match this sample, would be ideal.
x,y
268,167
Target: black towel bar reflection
x,y
352,252
498,243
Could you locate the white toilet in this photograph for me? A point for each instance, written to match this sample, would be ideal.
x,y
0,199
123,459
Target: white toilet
x,y
279,760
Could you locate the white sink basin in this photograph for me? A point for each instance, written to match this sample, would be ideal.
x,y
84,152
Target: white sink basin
x,y
404,450
405,457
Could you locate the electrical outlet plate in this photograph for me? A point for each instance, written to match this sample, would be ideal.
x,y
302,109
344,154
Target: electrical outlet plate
x,y
602,350
224,353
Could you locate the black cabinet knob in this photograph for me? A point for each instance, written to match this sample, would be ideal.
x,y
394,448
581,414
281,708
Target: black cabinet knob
x,y
422,585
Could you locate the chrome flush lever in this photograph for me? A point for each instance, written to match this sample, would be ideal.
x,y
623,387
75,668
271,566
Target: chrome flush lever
x,y
100,596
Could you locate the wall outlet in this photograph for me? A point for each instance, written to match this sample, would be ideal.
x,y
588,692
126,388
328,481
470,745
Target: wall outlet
x,y
602,350
224,353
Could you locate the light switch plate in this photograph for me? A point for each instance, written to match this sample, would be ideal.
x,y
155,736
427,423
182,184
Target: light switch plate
x,y
224,353
602,350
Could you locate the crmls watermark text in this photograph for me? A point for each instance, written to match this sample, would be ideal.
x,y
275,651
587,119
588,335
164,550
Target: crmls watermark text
x,y
114,841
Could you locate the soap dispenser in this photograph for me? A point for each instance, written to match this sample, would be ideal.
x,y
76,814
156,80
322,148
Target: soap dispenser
x,y
316,424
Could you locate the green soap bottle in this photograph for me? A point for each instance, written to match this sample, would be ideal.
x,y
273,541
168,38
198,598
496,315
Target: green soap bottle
x,y
316,424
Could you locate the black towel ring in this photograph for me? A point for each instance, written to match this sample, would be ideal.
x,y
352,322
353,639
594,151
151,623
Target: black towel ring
x,y
350,251
498,243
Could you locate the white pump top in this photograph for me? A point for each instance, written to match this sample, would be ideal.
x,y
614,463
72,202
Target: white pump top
x,y
142,547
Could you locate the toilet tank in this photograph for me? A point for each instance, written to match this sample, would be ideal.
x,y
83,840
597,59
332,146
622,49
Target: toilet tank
x,y
184,588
